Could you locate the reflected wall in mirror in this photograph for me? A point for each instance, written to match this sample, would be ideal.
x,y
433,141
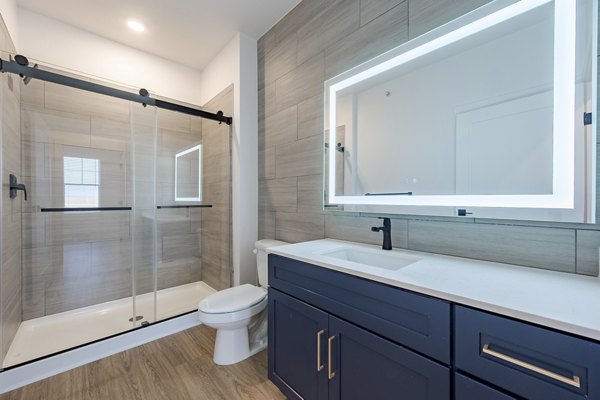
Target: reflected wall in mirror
x,y
485,112
188,174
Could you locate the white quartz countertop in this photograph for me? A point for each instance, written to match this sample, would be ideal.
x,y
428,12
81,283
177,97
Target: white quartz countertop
x,y
563,301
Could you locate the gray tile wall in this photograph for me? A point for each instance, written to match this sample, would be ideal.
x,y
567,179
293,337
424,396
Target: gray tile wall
x,y
10,266
316,41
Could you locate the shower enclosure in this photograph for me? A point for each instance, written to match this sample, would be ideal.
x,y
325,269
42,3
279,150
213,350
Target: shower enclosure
x,y
127,220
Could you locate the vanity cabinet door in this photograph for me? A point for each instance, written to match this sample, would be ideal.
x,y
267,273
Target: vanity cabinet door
x,y
366,366
296,332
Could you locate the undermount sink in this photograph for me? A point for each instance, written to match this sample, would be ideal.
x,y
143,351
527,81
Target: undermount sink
x,y
375,258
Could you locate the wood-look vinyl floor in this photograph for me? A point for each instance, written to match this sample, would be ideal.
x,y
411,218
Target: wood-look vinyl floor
x,y
176,367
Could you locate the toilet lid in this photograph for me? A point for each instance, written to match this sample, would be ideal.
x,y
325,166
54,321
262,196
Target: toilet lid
x,y
232,299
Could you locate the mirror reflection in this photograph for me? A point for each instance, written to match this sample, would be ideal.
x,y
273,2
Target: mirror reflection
x,y
474,117
188,173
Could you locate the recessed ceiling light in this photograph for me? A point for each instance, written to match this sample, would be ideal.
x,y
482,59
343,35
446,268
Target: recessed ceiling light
x,y
136,25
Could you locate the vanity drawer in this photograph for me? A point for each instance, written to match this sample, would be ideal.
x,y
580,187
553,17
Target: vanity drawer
x,y
415,321
524,359
469,389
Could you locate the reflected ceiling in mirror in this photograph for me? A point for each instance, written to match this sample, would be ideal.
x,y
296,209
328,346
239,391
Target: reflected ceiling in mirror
x,y
485,111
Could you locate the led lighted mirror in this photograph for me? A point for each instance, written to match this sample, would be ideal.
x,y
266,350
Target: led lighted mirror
x,y
485,113
188,174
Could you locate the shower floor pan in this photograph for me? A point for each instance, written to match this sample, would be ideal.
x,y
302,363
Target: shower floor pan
x,y
53,333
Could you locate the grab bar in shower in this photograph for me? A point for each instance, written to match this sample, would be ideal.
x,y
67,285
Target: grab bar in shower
x,y
74,209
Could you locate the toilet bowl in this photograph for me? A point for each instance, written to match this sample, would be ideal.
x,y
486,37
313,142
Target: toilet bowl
x,y
230,311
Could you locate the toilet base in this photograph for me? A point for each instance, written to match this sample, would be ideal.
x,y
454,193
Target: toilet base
x,y
231,346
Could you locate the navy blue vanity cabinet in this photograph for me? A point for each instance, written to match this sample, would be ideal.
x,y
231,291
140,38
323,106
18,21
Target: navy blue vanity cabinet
x,y
532,362
366,366
469,389
323,344
418,322
297,339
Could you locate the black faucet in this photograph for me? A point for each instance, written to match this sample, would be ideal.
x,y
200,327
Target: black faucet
x,y
387,233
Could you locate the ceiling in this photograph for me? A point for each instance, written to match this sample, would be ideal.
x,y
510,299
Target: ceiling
x,y
190,32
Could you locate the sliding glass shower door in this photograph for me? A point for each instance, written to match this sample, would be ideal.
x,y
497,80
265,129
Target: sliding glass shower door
x,y
143,213
127,220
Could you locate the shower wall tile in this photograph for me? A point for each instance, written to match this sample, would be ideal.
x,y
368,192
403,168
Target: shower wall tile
x,y
172,142
34,230
48,126
34,160
11,158
75,227
43,192
173,121
178,272
75,101
69,294
110,135
216,263
33,93
180,246
34,297
113,286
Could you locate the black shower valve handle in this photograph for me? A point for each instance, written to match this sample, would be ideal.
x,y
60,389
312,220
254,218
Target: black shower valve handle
x,y
14,186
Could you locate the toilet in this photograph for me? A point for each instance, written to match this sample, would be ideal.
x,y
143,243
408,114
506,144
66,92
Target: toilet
x,y
230,312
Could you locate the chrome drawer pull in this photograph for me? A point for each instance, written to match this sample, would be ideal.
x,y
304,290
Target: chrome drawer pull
x,y
575,381
320,366
331,373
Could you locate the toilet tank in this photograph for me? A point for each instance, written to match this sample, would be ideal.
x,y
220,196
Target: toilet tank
x,y
262,260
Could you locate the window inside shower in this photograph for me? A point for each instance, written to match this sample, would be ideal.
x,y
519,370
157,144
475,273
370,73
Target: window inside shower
x,y
82,182
102,245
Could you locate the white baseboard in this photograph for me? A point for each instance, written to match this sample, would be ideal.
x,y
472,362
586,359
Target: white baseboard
x,y
15,378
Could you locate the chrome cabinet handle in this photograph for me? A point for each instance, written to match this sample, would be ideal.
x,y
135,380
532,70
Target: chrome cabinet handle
x,y
574,381
320,366
331,374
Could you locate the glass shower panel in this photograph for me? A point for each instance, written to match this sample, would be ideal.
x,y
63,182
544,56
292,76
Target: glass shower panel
x,y
194,207
216,188
179,212
76,227
143,214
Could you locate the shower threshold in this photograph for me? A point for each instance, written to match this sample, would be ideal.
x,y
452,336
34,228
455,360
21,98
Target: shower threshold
x,y
42,336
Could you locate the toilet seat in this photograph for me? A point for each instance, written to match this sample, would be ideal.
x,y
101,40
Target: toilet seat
x,y
233,299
